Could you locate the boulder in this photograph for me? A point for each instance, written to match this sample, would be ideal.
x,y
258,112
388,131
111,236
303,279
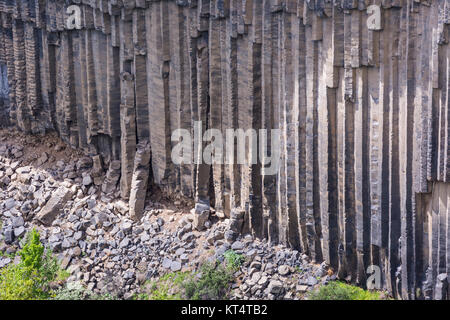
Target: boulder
x,y
139,180
112,177
201,215
275,287
54,206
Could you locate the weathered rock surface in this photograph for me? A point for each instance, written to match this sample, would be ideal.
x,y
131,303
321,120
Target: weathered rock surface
x,y
201,214
363,115
140,180
54,206
107,252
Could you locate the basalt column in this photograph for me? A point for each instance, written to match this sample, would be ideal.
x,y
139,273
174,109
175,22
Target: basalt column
x,y
359,175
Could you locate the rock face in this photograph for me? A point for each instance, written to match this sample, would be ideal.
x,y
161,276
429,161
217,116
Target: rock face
x,y
364,172
107,252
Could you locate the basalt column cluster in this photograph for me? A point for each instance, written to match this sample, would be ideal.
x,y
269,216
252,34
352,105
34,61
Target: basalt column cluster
x,y
364,176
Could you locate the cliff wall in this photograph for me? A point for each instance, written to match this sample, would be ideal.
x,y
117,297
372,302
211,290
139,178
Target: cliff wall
x,y
363,111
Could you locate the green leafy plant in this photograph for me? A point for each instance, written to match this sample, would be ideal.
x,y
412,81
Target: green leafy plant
x,y
213,283
32,251
141,296
62,275
7,255
30,278
337,290
76,291
16,285
168,287
72,291
233,260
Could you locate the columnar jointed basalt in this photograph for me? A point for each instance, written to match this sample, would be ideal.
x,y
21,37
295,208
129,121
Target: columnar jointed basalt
x,y
364,114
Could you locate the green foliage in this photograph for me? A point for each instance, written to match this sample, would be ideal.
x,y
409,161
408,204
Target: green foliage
x,y
76,291
299,270
16,285
62,275
337,290
32,251
141,296
73,291
233,260
163,294
168,287
30,278
105,296
7,255
213,283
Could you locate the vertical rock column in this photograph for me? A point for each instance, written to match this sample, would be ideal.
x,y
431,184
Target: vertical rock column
x,y
140,180
114,81
269,67
9,59
158,74
20,75
127,106
179,37
215,88
34,98
4,86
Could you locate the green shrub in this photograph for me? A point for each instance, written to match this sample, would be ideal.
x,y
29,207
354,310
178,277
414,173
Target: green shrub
x,y
168,287
30,278
233,260
213,283
76,291
15,284
72,291
141,296
62,275
32,251
337,290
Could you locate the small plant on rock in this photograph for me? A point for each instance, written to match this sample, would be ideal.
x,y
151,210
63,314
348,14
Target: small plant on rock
x,y
76,291
169,286
233,260
212,283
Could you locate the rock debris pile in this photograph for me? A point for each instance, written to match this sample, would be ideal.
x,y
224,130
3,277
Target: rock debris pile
x,y
76,206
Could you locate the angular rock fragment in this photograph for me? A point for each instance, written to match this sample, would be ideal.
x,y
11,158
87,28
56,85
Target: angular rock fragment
x,y
9,236
441,291
236,220
97,167
54,206
18,232
87,180
112,177
275,287
84,163
140,180
201,215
